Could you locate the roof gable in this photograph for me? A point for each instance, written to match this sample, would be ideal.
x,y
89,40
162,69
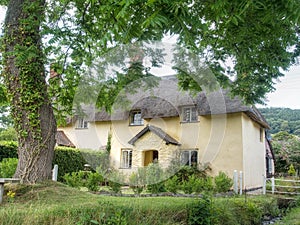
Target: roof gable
x,y
159,132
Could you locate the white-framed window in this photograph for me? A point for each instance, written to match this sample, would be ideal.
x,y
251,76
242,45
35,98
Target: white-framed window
x,y
189,157
189,114
126,158
136,118
261,134
81,124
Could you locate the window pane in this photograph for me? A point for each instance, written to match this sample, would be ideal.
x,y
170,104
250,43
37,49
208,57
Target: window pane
x,y
185,158
194,114
186,114
194,156
126,159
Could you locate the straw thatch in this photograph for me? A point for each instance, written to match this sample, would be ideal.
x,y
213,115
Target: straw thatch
x,y
166,100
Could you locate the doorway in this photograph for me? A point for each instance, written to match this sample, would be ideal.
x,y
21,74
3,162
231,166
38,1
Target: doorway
x,y
150,156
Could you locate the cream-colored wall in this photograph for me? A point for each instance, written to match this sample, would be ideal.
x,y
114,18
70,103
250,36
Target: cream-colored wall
x,y
222,143
94,137
254,154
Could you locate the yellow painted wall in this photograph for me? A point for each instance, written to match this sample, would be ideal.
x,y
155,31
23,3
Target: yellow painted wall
x,y
222,146
226,142
92,138
254,154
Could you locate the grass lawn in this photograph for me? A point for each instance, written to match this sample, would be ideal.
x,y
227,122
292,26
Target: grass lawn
x,y
56,203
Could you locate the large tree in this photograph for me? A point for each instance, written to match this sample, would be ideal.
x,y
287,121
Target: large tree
x,y
261,37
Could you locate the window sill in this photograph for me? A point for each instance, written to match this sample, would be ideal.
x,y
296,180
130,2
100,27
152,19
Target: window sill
x,y
183,122
136,125
81,128
125,168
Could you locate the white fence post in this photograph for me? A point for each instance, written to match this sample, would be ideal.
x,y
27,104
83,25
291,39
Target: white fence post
x,y
55,172
241,182
235,182
273,184
264,184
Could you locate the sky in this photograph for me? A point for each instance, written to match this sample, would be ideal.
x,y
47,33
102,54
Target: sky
x,y
287,92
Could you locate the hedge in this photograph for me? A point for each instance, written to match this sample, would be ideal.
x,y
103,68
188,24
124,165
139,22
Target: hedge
x,y
8,149
68,159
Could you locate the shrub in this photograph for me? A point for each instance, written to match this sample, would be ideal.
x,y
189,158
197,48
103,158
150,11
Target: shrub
x,y
93,181
8,149
87,179
172,184
75,179
8,167
189,184
201,212
8,134
72,160
204,184
116,180
154,178
292,171
222,182
137,181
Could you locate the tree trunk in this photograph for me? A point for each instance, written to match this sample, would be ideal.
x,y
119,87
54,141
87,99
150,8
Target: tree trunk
x,y
24,76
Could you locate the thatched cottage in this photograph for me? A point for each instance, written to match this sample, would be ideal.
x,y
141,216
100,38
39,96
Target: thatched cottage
x,y
164,123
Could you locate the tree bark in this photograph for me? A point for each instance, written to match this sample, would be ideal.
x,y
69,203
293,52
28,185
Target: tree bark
x,y
24,76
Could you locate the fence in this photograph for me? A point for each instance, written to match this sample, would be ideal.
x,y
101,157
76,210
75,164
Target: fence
x,y
281,186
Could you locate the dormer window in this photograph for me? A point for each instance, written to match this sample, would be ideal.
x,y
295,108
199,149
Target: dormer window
x,y
81,124
136,118
189,114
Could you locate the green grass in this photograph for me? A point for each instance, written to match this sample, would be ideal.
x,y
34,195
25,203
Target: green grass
x,y
55,203
292,217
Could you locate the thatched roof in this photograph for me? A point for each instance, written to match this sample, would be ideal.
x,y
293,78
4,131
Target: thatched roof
x,y
159,132
166,100
63,140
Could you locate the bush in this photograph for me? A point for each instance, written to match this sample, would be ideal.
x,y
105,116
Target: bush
x,y
8,167
201,212
137,181
172,184
292,171
87,179
94,181
116,180
72,160
203,185
8,149
8,134
222,183
75,179
154,178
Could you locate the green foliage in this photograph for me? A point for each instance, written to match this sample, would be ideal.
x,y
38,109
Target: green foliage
x,y
93,181
75,179
292,171
172,184
71,160
154,178
115,181
137,181
5,119
201,212
188,185
222,182
87,179
8,134
286,148
8,167
282,119
8,149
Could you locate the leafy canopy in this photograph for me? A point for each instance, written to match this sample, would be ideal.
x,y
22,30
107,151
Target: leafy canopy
x,y
261,38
